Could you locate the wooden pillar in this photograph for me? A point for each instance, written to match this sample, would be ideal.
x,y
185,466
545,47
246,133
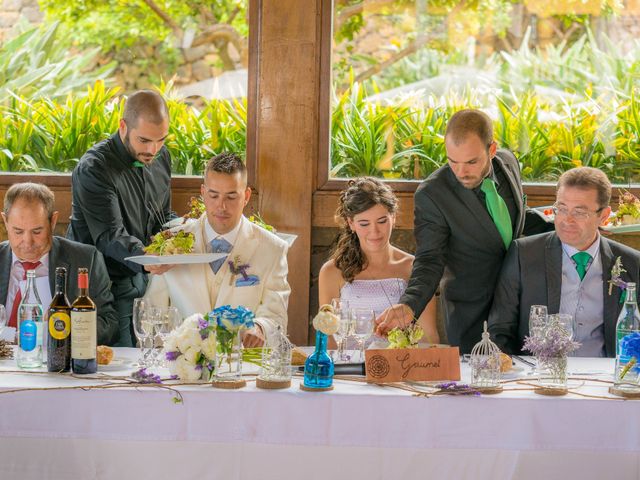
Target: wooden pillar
x,y
283,102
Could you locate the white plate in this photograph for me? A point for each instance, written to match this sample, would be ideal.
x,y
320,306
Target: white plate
x,y
515,372
540,211
287,237
634,227
176,259
116,364
177,222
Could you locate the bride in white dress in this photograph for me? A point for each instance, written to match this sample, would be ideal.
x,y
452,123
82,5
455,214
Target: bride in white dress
x,y
365,269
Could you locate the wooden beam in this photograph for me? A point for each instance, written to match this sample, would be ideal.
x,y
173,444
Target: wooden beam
x,y
286,50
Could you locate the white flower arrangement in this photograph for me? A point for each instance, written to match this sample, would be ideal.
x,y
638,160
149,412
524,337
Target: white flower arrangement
x,y
326,321
187,353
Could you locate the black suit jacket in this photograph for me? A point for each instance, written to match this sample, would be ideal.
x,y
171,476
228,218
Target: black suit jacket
x,y
458,244
73,255
532,275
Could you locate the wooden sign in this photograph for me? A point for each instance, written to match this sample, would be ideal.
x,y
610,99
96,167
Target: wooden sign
x,y
417,364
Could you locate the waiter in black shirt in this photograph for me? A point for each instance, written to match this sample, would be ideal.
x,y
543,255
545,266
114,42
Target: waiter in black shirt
x,y
121,196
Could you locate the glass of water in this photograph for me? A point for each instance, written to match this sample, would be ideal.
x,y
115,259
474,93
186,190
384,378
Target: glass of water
x,y
341,309
363,320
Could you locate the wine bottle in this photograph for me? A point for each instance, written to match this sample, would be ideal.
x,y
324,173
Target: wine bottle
x,y
84,327
59,326
30,328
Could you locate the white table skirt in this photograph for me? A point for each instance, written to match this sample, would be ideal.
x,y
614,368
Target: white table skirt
x,y
355,431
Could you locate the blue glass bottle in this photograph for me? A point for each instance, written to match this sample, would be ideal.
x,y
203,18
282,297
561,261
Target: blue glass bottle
x,y
318,369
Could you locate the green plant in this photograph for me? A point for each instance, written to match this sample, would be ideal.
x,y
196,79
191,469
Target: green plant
x,y
47,135
37,64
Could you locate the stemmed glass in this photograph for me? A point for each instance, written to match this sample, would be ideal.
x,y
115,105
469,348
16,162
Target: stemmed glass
x,y
567,322
362,323
144,317
341,309
3,319
537,319
169,319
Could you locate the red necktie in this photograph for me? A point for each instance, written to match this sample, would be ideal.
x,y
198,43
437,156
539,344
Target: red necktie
x,y
13,319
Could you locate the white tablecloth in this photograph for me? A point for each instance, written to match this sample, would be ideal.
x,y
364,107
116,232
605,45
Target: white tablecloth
x,y
355,431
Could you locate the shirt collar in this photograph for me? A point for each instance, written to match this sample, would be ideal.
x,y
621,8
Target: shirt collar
x,y
43,267
491,175
125,156
229,236
593,249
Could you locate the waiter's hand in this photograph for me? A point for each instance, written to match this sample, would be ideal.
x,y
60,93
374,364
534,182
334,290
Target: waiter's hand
x,y
398,315
158,269
253,337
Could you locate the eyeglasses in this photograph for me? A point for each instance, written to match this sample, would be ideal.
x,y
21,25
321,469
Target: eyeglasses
x,y
576,213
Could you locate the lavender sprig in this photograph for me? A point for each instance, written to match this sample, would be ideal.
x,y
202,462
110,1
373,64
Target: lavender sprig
x,y
555,342
142,376
453,388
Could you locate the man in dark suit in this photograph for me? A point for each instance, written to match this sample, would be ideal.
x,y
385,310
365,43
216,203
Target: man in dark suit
x,y
568,270
466,214
30,221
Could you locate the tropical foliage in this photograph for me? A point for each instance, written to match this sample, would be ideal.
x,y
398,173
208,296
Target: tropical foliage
x,y
36,64
47,135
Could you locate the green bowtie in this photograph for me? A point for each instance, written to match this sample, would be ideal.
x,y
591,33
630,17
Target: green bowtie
x,y
138,164
498,210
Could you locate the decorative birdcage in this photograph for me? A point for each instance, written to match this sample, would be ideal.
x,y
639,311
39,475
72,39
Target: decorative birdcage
x,y
485,365
275,371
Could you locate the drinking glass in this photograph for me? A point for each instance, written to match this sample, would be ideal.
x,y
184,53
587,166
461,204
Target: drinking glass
x,y
537,318
341,309
169,319
566,321
143,318
363,320
3,319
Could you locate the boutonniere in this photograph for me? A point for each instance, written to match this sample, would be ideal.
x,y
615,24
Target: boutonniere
x,y
238,268
616,279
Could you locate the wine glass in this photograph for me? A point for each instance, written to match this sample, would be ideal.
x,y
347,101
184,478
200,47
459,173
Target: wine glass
x,y
566,322
3,319
168,320
537,319
363,320
143,325
341,309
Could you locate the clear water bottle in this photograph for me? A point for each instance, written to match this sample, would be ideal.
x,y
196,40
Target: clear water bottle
x,y
30,326
627,374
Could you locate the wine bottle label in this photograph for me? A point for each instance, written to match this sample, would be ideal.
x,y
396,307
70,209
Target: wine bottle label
x,y
85,333
28,335
59,325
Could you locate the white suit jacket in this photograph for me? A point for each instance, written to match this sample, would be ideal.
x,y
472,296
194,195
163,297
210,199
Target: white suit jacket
x,y
186,286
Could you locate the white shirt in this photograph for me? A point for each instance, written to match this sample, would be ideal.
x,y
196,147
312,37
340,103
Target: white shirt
x,y
16,282
230,237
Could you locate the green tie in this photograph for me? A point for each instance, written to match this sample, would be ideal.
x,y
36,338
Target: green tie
x,y
138,164
582,259
498,210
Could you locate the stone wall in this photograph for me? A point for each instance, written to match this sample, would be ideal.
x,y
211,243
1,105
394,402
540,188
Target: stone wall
x,y
14,12
198,63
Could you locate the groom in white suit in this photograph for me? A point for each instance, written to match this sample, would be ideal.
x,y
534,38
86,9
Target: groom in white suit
x,y
253,274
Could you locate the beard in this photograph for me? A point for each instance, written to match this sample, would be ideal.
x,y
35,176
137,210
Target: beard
x,y
137,156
